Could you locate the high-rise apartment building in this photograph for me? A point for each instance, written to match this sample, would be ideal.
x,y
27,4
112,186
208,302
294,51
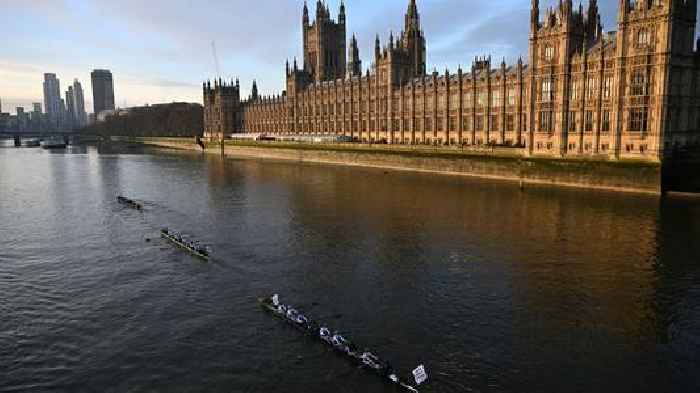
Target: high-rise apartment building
x,y
79,114
102,90
52,98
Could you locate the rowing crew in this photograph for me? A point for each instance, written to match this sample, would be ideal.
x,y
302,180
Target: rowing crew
x,y
193,245
129,202
338,342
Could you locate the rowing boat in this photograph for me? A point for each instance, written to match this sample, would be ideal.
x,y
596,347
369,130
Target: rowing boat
x,y
179,241
363,358
129,202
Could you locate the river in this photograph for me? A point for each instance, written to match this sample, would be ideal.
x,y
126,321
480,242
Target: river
x,y
494,289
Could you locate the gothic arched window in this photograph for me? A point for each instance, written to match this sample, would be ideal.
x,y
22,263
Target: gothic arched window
x,y
639,84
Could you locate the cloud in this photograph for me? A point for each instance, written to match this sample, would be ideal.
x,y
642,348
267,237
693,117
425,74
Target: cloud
x,y
161,49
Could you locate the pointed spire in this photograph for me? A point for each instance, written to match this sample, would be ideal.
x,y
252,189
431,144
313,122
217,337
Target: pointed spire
x,y
254,90
341,14
412,22
305,18
377,47
535,13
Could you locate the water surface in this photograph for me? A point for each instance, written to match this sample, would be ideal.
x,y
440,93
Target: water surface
x,y
494,289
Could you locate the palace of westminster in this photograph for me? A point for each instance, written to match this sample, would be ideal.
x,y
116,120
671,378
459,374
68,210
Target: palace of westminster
x,y
632,93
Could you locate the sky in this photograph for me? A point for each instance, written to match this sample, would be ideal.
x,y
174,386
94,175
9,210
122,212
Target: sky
x,y
161,50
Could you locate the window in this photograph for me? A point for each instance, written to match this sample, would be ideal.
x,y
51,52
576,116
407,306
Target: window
x,y
591,87
511,96
549,53
494,123
589,121
638,119
607,87
467,124
453,124
546,121
546,90
510,123
605,126
572,121
454,101
643,37
481,98
496,98
575,92
479,123
467,99
639,84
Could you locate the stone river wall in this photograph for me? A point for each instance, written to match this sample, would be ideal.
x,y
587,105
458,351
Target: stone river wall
x,y
503,163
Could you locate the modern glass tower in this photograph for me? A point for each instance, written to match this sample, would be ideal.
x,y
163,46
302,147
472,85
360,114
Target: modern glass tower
x,y
102,90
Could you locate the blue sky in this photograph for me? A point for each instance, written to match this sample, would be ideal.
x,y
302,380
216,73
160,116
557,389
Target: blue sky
x,y
160,50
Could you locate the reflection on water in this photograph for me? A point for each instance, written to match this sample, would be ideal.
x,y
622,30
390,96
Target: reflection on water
x,y
494,289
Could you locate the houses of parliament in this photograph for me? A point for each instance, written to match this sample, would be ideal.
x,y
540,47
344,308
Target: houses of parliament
x,y
632,93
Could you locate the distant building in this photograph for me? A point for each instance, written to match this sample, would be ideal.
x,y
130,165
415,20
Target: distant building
x,y
22,120
36,117
70,106
102,91
79,114
4,120
52,98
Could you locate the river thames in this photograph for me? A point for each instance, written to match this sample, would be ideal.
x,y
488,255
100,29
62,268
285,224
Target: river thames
x,y
494,289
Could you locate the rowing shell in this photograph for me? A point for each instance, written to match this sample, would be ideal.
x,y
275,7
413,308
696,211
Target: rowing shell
x,y
311,329
183,245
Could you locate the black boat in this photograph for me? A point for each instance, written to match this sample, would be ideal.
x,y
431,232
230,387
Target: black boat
x,y
191,246
363,358
129,202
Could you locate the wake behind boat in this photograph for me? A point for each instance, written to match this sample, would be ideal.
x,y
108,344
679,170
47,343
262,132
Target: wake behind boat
x,y
363,358
193,247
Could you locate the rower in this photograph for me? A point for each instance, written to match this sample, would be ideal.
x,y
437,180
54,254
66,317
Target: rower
x,y
282,309
338,340
324,333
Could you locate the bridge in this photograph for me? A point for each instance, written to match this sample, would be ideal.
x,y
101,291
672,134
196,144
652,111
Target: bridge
x,y
17,136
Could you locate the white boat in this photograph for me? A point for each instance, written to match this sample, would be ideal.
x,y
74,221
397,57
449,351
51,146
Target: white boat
x,y
53,144
31,143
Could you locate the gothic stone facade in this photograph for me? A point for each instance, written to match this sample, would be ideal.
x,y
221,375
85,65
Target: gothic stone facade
x,y
632,93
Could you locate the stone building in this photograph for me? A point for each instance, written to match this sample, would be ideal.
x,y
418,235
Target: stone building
x,y
632,93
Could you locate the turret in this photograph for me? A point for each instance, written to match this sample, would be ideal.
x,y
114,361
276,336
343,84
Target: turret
x,y
254,91
305,17
413,41
320,11
354,67
535,15
377,48
412,18
341,13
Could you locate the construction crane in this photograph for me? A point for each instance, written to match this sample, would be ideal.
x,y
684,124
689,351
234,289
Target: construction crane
x,y
216,59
